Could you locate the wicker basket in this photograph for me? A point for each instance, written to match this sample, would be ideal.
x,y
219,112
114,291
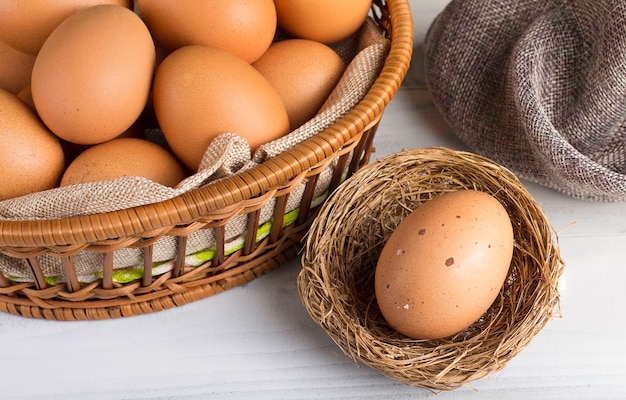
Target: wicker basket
x,y
346,145
336,282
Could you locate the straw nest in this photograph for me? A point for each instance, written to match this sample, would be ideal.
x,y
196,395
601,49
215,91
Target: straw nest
x,y
336,283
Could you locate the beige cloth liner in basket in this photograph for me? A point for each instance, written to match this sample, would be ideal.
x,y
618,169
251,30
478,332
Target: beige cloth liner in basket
x,y
538,86
228,154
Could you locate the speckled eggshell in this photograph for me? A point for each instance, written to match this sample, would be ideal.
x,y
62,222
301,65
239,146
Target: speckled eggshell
x,y
92,77
304,73
326,21
72,150
200,92
25,25
243,27
124,157
31,157
27,97
444,265
15,68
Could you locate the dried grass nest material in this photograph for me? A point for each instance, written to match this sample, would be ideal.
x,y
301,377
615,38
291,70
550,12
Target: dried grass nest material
x,y
336,283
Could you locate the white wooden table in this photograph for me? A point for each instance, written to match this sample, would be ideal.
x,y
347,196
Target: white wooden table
x,y
258,342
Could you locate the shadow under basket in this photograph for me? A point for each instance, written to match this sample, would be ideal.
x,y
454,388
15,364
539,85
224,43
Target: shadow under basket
x,y
342,148
336,283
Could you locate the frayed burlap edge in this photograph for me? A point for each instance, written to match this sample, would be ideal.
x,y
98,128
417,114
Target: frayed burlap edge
x,y
227,155
538,88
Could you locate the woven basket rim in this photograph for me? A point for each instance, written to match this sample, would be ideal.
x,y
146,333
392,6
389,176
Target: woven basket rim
x,y
221,194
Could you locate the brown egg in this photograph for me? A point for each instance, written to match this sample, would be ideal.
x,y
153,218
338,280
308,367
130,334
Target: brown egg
x,y
304,73
327,21
243,27
15,68
25,25
147,116
92,77
72,150
31,158
444,265
27,97
124,157
200,92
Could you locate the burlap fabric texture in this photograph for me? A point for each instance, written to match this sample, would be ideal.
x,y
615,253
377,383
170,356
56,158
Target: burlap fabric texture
x,y
228,154
538,86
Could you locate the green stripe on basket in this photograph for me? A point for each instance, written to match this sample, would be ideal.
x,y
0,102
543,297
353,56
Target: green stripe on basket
x,y
200,257
129,274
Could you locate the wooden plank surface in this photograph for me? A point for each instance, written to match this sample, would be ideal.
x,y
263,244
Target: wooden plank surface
x,y
257,341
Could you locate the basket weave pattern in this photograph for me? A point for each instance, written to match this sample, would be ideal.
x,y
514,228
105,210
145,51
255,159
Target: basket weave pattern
x,y
343,244
343,148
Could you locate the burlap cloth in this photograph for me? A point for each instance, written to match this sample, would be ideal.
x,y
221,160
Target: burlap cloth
x,y
538,86
364,54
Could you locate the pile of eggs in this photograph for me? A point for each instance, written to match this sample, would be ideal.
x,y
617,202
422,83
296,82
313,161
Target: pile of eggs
x,y
80,80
